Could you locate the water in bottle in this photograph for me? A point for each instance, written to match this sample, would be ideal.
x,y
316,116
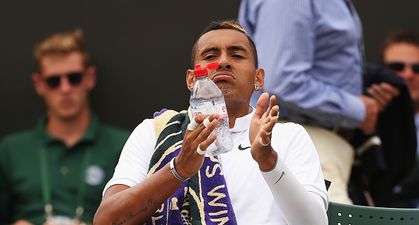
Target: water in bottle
x,y
207,98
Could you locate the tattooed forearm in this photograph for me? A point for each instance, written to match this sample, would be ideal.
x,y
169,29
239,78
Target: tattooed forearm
x,y
151,203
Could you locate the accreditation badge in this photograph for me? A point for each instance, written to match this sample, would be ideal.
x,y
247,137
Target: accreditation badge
x,y
61,220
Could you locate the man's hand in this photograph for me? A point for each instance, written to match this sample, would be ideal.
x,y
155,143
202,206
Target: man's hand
x,y
371,114
383,93
189,161
260,132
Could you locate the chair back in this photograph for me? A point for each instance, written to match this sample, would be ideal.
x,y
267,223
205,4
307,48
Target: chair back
x,y
342,214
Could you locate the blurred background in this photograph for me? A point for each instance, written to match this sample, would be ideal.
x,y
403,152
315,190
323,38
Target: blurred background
x,y
141,50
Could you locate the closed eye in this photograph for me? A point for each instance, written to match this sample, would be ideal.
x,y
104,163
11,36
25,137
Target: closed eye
x,y
238,56
209,57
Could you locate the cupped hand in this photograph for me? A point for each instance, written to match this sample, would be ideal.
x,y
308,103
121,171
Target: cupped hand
x,y
383,93
260,132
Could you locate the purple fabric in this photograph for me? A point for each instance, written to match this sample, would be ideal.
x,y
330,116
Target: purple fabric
x,y
182,207
156,114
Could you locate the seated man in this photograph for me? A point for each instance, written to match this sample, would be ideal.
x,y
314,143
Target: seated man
x,y
400,54
271,176
55,173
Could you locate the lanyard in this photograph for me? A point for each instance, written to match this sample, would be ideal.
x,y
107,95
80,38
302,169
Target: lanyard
x,y
46,190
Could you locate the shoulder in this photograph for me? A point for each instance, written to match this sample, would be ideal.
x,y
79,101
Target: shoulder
x,y
145,127
21,137
291,138
18,144
114,131
289,129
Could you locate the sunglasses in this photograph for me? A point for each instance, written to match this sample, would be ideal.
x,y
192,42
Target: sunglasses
x,y
54,81
400,66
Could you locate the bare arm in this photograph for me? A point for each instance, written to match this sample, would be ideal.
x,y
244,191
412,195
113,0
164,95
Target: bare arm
x,y
124,205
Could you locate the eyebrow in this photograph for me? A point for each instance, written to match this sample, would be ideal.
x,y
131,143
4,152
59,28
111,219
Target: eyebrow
x,y
231,48
237,48
213,49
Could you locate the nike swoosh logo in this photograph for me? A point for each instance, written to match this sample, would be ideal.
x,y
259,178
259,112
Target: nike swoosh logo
x,y
283,173
242,149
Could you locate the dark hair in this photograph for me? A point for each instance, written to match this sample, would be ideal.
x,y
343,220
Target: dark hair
x,y
400,36
228,25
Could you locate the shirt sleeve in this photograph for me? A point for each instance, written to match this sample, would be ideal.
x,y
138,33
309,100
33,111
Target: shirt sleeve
x,y
135,157
284,34
297,178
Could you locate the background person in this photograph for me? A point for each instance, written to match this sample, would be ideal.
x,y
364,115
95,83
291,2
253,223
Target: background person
x,y
312,53
400,54
55,172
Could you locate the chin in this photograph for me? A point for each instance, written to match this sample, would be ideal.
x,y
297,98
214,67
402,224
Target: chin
x,y
226,91
224,86
68,115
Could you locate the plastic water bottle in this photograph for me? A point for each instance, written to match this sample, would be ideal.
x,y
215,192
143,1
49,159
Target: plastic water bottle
x,y
207,98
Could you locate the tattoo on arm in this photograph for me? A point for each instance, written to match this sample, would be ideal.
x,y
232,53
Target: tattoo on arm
x,y
130,215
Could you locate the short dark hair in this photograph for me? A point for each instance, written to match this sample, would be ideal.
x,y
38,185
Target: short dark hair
x,y
399,36
228,25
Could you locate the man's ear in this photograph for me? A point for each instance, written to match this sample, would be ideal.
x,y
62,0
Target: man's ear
x,y
259,78
90,77
37,83
190,79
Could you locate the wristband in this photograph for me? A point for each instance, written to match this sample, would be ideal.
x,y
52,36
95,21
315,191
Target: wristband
x,y
174,172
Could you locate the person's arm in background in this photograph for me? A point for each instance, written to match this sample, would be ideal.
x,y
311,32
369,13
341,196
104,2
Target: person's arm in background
x,y
284,35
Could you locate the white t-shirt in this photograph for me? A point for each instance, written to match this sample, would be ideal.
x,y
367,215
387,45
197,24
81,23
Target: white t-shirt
x,y
251,198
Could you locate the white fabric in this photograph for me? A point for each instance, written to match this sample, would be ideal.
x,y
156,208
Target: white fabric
x,y
192,125
336,167
280,181
250,195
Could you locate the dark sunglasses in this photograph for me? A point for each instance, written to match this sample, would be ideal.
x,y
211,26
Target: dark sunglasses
x,y
399,66
54,81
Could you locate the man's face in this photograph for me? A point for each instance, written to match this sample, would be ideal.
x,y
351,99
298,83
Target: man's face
x,y
408,55
237,73
64,83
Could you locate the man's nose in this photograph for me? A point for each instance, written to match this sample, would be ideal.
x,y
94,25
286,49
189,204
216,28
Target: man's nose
x,y
224,61
65,84
407,73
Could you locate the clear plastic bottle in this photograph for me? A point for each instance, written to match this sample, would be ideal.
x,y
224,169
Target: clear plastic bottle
x,y
207,98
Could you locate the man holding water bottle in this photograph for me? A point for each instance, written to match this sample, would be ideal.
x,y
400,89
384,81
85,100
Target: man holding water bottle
x,y
272,175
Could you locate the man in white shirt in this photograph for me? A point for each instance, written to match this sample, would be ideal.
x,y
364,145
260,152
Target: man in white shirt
x,y
271,176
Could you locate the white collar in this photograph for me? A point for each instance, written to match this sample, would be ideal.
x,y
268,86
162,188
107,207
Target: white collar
x,y
243,123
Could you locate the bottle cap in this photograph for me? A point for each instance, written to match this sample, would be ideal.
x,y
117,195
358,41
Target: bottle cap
x,y
199,71
213,66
